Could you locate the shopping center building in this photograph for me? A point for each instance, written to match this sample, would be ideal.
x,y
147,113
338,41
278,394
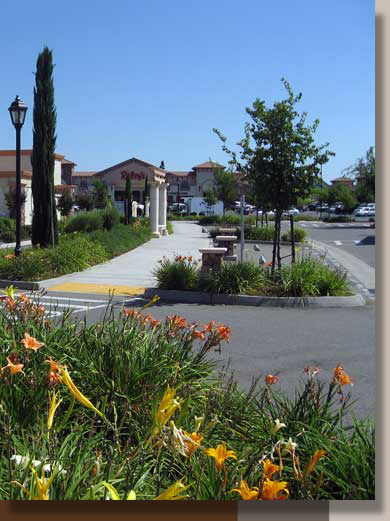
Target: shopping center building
x,y
63,169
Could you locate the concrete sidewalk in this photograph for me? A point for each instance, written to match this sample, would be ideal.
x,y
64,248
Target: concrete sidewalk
x,y
132,272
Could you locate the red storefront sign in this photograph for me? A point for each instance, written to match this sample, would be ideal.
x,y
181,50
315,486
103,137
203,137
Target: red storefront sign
x,y
139,176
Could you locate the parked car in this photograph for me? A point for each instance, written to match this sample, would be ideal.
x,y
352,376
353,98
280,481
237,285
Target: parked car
x,y
179,208
361,212
291,211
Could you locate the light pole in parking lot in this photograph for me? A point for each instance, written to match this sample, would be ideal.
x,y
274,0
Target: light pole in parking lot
x,y
17,112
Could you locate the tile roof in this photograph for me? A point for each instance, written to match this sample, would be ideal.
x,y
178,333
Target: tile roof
x,y
83,174
144,163
209,164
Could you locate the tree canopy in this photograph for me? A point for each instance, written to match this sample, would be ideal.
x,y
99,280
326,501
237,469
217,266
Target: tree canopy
x,y
226,187
279,156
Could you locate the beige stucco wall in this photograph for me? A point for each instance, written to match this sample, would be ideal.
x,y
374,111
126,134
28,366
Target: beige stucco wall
x,y
204,181
5,184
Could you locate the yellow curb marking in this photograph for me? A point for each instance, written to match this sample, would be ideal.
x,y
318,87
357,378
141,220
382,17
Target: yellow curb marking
x,y
77,287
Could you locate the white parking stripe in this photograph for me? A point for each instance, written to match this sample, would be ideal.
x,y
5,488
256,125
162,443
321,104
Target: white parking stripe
x,y
340,225
338,243
315,225
357,242
50,297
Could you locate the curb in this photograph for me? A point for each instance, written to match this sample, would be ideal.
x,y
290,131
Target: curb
x,y
197,297
353,282
20,284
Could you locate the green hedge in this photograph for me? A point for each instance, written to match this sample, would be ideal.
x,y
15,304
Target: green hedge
x,y
92,220
75,252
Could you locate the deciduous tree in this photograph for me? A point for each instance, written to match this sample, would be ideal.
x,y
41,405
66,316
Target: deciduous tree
x,y
279,156
226,187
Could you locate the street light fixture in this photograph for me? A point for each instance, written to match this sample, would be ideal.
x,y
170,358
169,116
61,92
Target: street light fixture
x,y
17,112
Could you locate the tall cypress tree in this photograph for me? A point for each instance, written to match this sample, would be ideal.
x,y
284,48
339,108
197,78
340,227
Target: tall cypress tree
x,y
44,222
128,209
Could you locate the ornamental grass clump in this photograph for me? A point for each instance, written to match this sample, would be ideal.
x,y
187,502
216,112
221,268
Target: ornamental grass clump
x,y
178,274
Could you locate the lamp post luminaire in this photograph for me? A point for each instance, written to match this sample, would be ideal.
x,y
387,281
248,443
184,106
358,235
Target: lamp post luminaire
x,y
17,112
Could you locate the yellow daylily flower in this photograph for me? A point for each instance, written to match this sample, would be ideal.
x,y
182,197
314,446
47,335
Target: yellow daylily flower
x,y
9,291
246,492
272,490
42,484
66,379
320,453
220,454
166,409
173,492
114,493
151,302
53,405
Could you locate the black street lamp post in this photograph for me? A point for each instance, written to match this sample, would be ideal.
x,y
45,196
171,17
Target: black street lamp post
x,y
18,111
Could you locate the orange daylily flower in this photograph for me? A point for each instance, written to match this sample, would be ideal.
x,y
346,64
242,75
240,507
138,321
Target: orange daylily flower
x,y
13,368
272,490
220,454
30,342
9,256
246,492
320,453
10,304
209,326
198,334
269,468
271,379
54,371
223,333
340,376
177,321
193,443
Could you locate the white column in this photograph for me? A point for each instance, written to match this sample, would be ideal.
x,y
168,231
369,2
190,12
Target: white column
x,y
147,206
163,207
154,211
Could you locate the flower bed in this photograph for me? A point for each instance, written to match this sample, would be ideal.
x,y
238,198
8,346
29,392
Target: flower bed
x,y
130,408
307,277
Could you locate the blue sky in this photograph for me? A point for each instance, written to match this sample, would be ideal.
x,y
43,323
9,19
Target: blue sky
x,y
151,78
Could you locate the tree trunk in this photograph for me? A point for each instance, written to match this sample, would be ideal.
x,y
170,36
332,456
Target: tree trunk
x,y
278,245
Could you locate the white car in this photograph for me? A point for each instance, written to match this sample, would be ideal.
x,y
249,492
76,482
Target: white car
x,y
292,211
362,212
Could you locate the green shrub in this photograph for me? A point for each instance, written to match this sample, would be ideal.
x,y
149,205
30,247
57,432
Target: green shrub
x,y
299,235
262,233
8,236
110,218
121,239
234,278
84,222
6,223
309,277
178,274
73,253
337,219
